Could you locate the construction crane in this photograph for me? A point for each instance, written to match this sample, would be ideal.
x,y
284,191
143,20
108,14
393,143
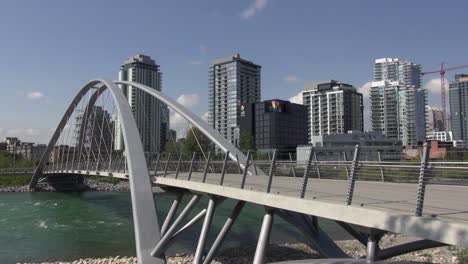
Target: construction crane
x,y
442,85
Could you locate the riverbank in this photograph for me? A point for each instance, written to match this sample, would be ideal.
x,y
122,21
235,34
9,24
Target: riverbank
x,y
89,185
276,253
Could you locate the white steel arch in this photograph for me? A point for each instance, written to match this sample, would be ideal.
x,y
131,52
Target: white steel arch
x,y
147,229
234,153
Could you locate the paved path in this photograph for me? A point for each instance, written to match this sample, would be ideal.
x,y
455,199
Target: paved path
x,y
441,201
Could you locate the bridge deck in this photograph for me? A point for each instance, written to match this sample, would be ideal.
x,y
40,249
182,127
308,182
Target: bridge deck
x,y
387,206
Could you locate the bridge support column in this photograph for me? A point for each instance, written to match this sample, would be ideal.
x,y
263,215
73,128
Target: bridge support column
x,y
315,236
163,242
224,231
373,248
205,229
264,237
171,213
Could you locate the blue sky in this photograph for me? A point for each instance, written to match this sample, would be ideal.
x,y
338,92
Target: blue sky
x,y
49,49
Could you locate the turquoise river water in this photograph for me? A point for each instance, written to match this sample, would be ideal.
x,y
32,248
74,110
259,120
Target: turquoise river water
x,y
38,227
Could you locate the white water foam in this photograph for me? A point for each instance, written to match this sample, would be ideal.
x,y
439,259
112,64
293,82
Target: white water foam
x,y
42,224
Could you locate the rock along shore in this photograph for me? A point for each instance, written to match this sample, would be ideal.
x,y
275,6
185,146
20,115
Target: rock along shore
x,y
89,185
275,253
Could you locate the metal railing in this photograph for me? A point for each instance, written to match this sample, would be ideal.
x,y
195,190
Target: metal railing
x,y
364,165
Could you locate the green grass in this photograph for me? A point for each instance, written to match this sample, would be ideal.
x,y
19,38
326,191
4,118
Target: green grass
x,y
7,160
104,179
19,180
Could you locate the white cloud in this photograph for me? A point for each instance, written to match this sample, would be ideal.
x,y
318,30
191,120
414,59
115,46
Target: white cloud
x,y
205,116
255,7
433,88
291,78
35,95
28,134
178,123
365,89
194,62
189,100
297,99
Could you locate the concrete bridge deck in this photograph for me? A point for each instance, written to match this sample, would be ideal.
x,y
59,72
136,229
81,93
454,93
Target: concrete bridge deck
x,y
386,206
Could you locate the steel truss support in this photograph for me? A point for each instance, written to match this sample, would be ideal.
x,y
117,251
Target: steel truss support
x,y
205,229
164,241
408,248
189,224
171,213
316,237
359,236
368,237
264,237
224,231
373,248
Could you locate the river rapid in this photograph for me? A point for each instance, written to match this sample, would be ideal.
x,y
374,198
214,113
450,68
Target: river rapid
x,y
37,227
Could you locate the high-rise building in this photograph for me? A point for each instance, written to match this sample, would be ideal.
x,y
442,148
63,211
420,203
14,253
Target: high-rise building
x,y
275,124
395,70
435,119
398,103
146,109
94,133
233,81
458,96
333,108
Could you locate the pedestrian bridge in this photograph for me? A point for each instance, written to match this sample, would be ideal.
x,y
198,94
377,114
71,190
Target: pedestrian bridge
x,y
366,197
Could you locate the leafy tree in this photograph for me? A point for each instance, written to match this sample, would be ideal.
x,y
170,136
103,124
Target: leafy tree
x,y
191,145
246,142
172,147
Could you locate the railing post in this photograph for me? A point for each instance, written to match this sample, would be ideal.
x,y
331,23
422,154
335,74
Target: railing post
x,y
246,169
191,167
238,164
292,165
157,164
271,172
381,169
352,178
422,180
306,173
178,166
167,165
223,170
207,166
253,163
316,164
346,165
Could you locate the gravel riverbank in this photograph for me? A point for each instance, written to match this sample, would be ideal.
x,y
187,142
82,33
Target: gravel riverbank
x,y
275,253
89,185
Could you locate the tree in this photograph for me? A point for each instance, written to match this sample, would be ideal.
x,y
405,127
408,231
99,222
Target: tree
x,y
172,147
191,145
246,142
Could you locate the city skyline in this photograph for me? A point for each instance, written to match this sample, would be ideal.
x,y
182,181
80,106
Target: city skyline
x,y
187,49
